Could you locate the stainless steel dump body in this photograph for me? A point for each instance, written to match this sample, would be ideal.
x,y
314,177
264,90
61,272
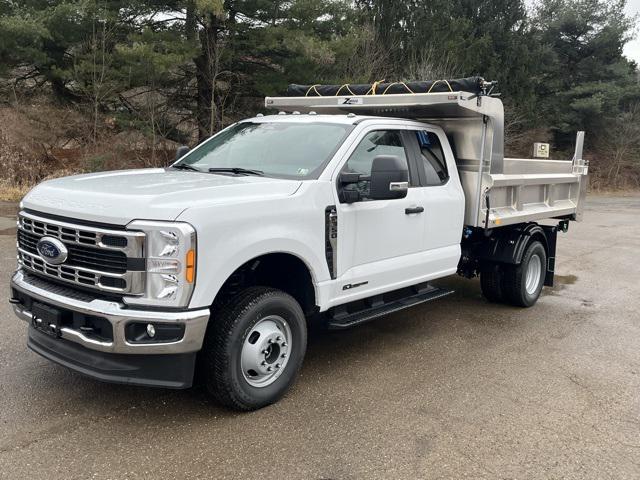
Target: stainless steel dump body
x,y
514,190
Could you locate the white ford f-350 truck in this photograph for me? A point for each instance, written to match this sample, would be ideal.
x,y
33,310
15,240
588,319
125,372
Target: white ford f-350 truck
x,y
337,209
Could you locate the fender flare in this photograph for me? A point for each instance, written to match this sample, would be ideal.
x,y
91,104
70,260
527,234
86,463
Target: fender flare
x,y
507,246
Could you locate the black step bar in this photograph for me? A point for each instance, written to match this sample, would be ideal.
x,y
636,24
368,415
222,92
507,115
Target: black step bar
x,y
340,318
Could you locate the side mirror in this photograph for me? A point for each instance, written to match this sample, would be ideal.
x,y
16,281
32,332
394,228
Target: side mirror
x,y
389,178
181,152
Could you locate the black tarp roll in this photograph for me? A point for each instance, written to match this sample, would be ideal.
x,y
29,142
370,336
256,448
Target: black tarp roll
x,y
470,84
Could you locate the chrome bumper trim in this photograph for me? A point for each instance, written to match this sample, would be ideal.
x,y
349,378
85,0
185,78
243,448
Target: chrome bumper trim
x,y
195,321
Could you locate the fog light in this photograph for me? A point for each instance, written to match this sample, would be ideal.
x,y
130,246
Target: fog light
x,y
143,332
151,330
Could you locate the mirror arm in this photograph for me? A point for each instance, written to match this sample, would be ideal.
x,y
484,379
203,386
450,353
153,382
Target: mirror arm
x,y
347,178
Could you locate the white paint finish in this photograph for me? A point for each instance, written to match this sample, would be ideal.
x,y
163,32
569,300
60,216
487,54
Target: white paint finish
x,y
148,194
376,230
444,205
390,274
383,246
231,235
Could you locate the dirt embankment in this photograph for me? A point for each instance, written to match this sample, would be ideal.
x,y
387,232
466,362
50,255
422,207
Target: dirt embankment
x,y
40,141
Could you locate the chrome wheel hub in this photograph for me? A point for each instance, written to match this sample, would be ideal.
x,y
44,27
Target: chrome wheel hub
x,y
533,274
265,351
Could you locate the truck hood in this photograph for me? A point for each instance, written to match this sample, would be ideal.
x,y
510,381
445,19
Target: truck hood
x,y
152,194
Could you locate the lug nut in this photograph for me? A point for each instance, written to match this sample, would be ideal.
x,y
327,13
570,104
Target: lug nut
x,y
271,340
269,369
277,365
265,351
278,339
284,344
263,363
284,355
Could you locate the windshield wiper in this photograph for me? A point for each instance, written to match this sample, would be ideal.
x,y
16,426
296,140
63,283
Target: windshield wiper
x,y
185,166
236,170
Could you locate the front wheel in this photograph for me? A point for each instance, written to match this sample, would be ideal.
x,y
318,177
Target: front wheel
x,y
254,348
522,284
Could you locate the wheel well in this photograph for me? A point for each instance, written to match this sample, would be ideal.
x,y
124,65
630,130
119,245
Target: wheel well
x,y
506,246
542,239
283,271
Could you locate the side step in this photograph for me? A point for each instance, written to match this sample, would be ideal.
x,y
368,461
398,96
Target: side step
x,y
341,318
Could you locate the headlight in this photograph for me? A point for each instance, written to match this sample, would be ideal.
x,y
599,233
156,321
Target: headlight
x,y
170,251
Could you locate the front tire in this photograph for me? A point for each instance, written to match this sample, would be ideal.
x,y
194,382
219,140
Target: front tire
x,y
254,348
522,284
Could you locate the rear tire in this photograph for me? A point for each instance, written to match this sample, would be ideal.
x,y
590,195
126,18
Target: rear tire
x,y
522,284
254,348
491,282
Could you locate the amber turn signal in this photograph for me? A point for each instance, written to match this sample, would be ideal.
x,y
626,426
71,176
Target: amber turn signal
x,y
190,272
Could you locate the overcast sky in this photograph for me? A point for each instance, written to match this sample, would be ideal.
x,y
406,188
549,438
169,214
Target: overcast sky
x,y
632,49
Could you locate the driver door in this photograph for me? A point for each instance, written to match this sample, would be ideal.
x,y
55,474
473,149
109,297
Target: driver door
x,y
380,241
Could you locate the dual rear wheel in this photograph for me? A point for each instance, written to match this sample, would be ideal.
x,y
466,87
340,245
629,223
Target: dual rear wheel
x,y
518,285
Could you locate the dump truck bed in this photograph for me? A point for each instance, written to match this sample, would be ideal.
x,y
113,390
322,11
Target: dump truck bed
x,y
498,191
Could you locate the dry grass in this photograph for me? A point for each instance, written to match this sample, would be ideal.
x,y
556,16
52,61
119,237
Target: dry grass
x,y
40,141
12,193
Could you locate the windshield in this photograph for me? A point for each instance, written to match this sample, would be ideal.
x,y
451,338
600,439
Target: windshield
x,y
277,149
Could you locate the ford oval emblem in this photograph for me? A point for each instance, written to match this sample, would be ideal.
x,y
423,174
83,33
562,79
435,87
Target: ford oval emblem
x,y
52,250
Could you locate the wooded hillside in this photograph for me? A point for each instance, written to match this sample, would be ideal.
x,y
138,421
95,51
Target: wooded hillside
x,y
89,85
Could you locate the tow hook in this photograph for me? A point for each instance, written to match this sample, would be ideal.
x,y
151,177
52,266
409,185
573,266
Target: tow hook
x,y
15,301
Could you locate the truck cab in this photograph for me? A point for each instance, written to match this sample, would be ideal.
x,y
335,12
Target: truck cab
x,y
222,259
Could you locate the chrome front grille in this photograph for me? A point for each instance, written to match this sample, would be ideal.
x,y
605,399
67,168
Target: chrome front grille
x,y
99,258
80,256
66,234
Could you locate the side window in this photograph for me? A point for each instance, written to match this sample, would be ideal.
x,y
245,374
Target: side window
x,y
435,165
379,142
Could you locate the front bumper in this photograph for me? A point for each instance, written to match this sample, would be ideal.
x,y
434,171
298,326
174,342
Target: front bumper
x,y
111,359
166,371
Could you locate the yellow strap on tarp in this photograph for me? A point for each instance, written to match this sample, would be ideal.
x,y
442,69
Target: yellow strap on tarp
x,y
372,90
343,86
314,89
438,81
397,83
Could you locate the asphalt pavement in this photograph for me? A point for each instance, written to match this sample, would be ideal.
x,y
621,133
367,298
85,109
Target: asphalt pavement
x,y
456,388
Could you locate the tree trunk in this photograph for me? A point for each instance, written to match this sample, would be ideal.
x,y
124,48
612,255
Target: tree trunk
x,y
208,113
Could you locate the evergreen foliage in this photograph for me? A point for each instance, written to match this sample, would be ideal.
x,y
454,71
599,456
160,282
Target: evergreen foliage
x,y
207,63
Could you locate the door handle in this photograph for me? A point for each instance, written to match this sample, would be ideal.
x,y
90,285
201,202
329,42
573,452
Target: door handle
x,y
411,210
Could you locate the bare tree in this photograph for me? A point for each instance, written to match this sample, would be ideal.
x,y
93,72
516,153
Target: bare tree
x,y
622,145
431,64
370,57
92,67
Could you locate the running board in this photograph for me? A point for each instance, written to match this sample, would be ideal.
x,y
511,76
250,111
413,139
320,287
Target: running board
x,y
341,318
